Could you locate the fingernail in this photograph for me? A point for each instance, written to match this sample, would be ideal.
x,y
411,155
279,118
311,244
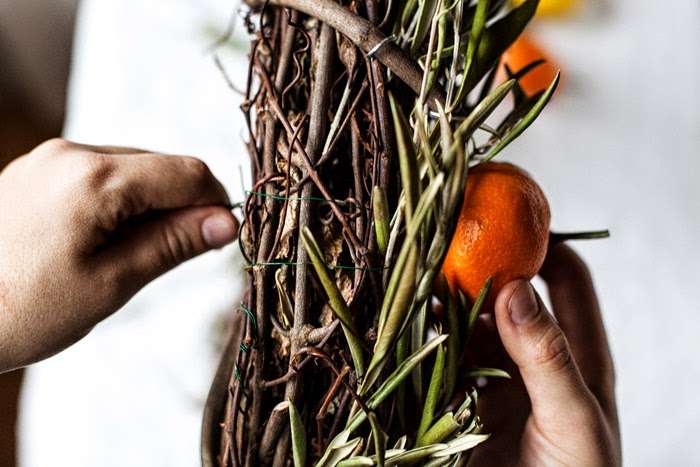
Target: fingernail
x,y
523,305
219,230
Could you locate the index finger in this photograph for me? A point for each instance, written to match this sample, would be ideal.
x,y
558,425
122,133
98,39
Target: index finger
x,y
150,181
576,307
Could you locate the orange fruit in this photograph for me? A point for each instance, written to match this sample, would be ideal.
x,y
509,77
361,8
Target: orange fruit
x,y
502,231
520,54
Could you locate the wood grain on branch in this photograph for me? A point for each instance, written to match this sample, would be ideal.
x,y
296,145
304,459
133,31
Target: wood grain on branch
x,y
366,36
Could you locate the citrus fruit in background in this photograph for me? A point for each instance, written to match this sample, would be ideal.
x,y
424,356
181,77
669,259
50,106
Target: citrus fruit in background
x,y
502,231
524,51
554,7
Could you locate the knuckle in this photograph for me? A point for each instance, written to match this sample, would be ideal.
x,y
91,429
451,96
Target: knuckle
x,y
177,246
552,351
55,145
198,170
110,198
97,171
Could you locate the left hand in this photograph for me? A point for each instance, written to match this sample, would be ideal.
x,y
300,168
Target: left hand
x,y
85,227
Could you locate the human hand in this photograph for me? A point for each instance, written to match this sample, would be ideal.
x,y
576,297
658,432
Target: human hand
x,y
559,409
85,227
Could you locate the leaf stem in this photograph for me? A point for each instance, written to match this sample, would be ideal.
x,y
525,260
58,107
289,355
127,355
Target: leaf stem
x,y
559,237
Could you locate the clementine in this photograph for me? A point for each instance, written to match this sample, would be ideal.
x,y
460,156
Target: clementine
x,y
524,51
502,231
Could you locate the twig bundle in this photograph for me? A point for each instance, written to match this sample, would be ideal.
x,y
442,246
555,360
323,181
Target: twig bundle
x,y
364,119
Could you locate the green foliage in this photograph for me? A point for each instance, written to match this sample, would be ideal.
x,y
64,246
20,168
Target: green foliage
x,y
396,355
435,149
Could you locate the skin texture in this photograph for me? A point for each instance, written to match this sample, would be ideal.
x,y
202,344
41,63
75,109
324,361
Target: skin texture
x,y
559,409
85,228
502,231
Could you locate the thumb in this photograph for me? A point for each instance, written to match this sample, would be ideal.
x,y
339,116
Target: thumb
x,y
172,238
540,350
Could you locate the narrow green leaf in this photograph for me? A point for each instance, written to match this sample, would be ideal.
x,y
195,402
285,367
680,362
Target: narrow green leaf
x,y
407,158
446,137
478,303
422,140
394,380
336,454
444,427
433,396
402,351
336,300
481,112
336,443
557,237
379,438
298,437
461,443
488,373
399,292
527,120
433,66
397,456
417,337
381,218
408,12
467,410
496,39
412,456
453,348
337,119
395,316
426,13
475,35
518,111
357,461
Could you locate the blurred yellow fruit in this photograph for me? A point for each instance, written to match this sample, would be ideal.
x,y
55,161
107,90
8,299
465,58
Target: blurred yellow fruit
x,y
554,7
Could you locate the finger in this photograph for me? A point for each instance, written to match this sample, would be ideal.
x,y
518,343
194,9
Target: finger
x,y
165,241
576,307
156,181
540,350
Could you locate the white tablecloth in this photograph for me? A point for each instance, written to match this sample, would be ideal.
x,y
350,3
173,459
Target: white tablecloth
x,y
619,147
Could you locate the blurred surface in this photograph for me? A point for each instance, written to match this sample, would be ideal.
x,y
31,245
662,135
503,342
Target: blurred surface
x,y
35,44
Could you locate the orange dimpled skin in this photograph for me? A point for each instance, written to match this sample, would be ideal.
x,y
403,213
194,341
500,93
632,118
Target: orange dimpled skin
x,y
502,231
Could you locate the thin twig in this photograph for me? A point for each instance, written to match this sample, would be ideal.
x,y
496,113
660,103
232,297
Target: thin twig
x,y
364,35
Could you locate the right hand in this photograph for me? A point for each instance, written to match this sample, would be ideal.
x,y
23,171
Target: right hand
x,y
85,227
559,409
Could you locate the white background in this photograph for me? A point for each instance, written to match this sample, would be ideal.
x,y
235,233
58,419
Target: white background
x,y
619,147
